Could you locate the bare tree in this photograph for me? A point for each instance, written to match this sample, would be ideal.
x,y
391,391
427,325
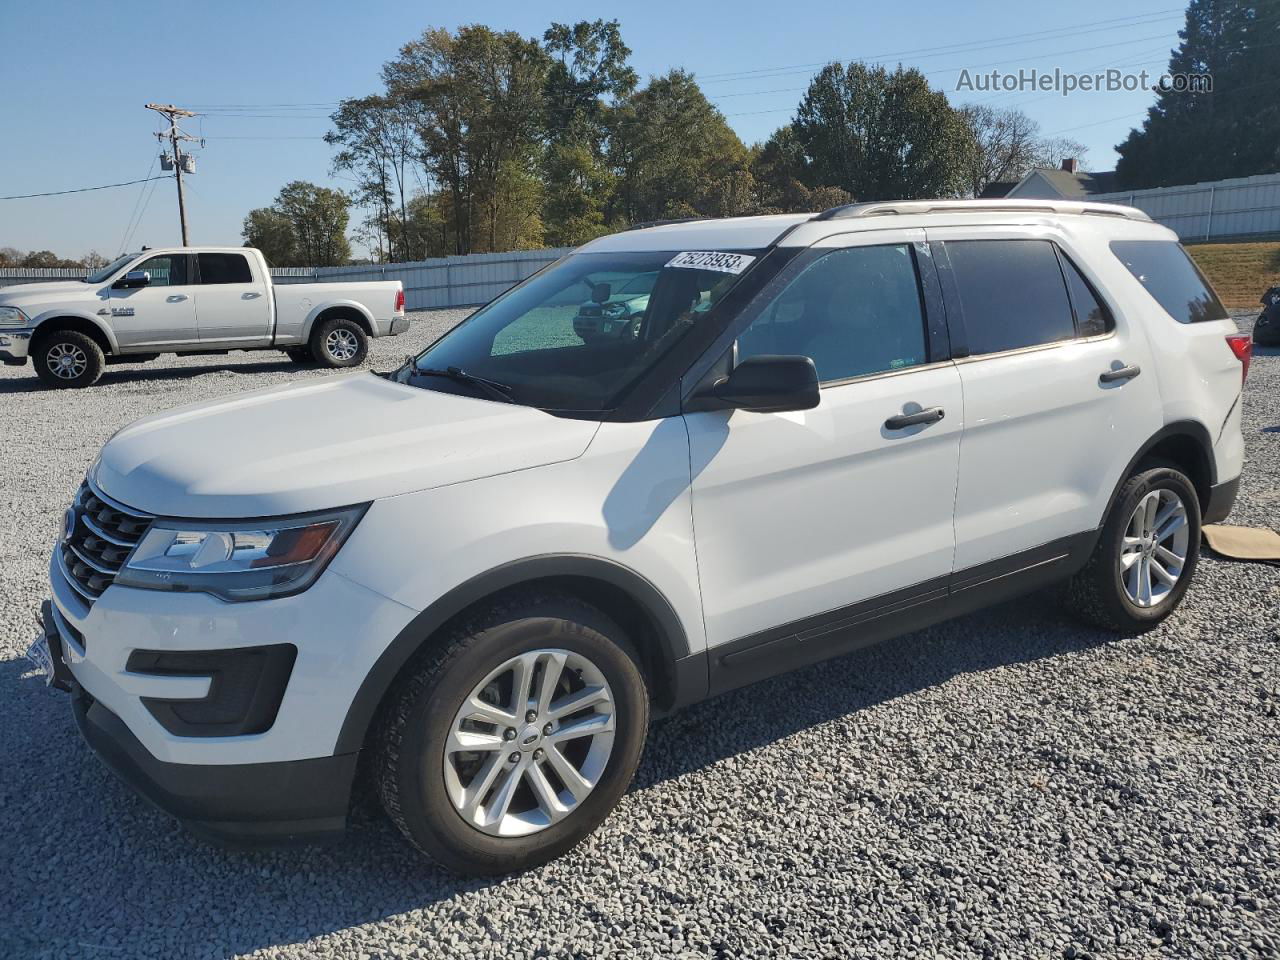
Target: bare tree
x,y
1006,145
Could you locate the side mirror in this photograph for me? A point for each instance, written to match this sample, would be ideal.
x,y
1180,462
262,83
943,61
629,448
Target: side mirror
x,y
601,292
768,384
132,280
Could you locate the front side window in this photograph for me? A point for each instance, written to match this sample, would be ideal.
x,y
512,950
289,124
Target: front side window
x,y
1172,278
168,271
854,312
1011,292
578,335
224,268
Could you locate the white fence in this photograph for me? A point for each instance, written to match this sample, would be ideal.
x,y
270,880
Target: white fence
x,y
428,284
1244,207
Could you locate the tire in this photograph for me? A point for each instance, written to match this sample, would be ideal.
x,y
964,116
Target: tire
x,y
300,355
1266,330
1103,592
338,342
67,358
424,780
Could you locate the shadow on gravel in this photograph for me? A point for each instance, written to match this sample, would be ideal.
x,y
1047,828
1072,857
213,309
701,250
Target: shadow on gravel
x,y
155,891
159,374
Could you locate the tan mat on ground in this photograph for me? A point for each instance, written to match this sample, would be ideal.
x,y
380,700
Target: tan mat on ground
x,y
1243,543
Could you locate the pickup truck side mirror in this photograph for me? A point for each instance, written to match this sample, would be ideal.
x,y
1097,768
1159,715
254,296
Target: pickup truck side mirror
x,y
767,384
132,280
600,292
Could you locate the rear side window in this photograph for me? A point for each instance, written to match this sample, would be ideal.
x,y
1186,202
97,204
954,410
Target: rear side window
x,y
1172,278
1092,317
1012,294
224,268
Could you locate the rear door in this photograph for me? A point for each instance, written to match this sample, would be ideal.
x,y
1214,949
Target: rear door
x,y
161,314
813,524
1059,392
234,301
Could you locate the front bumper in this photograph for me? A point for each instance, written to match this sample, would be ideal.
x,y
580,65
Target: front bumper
x,y
15,345
235,804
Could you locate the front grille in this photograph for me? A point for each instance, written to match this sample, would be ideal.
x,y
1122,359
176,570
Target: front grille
x,y
590,310
102,537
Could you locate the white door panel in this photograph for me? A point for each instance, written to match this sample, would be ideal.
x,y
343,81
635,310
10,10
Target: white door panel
x,y
233,313
161,314
796,514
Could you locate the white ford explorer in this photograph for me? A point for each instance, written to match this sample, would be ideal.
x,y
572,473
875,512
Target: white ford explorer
x,y
474,579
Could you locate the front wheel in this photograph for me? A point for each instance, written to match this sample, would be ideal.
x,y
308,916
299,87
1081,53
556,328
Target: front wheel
x,y
511,740
1145,556
67,358
338,342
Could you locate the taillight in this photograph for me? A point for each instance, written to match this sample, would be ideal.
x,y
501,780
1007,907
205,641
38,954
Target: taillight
x,y
1241,345
400,300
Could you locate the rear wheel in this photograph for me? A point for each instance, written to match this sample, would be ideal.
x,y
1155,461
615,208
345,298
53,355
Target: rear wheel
x,y
338,342
300,355
511,740
67,358
1145,556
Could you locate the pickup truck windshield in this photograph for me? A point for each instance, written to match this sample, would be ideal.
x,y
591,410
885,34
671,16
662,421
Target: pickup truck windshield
x,y
577,336
109,269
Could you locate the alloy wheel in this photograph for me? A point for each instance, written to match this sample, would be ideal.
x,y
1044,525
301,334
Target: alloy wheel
x,y
529,743
67,361
1153,553
342,345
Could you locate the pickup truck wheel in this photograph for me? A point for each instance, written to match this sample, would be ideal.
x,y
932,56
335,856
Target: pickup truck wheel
x,y
300,355
511,738
339,342
67,358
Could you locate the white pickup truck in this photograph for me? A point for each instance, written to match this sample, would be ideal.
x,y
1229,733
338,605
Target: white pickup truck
x,y
189,300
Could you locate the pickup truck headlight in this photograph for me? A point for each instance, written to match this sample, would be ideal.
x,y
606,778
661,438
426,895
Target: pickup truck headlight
x,y
239,560
12,317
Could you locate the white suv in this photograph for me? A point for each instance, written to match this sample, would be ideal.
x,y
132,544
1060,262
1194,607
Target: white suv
x,y
474,579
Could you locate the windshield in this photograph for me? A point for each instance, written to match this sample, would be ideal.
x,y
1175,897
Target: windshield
x,y
109,269
549,343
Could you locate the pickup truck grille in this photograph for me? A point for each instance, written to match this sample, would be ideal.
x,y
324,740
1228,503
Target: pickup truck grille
x,y
101,538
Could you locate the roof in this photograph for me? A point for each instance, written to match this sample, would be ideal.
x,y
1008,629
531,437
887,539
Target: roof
x,y
730,233
1069,186
997,190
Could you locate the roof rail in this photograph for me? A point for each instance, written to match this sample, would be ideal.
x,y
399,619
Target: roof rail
x,y
892,207
665,223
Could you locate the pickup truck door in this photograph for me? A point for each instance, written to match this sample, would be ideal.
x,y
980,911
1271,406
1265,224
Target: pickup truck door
x,y
233,301
163,313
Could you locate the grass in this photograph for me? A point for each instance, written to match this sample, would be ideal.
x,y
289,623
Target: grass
x,y
1240,272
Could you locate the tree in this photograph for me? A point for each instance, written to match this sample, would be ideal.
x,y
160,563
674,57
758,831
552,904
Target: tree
x,y
271,232
45,258
93,260
10,256
1006,144
318,217
673,152
1232,130
881,136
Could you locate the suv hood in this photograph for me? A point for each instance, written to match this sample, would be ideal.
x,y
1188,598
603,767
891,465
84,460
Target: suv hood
x,y
324,444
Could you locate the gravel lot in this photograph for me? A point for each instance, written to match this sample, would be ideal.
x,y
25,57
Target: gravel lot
x,y
1009,784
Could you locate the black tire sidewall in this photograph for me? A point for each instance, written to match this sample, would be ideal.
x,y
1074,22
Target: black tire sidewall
x,y
321,355
93,353
429,814
1113,593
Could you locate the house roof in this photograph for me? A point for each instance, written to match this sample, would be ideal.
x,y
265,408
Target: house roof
x,y
1063,184
997,190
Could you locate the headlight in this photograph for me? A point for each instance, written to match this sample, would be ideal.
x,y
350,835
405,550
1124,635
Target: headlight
x,y
238,560
12,317
615,309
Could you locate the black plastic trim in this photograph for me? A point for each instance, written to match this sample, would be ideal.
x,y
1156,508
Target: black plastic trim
x,y
813,639
1222,497
233,804
1180,428
685,674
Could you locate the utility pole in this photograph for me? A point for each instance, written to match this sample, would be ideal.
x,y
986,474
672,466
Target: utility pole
x,y
174,134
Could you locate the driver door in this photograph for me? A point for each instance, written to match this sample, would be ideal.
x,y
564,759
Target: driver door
x,y
816,529
161,314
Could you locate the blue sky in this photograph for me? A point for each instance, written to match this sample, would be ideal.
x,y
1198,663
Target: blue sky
x,y
75,76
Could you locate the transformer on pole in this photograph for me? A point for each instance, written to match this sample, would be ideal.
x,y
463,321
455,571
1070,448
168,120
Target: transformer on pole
x,y
178,161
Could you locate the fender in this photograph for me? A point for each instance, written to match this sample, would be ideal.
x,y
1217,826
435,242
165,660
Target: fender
x,y
58,313
329,305
1192,429
685,673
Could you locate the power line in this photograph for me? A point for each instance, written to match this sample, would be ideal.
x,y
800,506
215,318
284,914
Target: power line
x,y
58,193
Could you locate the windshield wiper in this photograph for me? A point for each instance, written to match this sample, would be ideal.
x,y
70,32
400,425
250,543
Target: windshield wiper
x,y
496,390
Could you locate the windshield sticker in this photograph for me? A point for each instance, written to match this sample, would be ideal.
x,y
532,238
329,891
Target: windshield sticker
x,y
710,260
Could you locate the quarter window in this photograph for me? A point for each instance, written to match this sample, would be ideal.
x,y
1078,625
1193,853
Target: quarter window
x,y
166,271
224,268
1011,292
855,312
1092,317
1170,276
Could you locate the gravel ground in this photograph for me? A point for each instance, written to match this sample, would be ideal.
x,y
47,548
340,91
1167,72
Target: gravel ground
x,y
1009,784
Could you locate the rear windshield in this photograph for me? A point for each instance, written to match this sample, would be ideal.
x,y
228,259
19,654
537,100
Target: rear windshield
x,y
1169,275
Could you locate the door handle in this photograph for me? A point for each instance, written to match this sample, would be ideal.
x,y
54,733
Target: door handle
x,y
1124,373
904,420
251,296
176,298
